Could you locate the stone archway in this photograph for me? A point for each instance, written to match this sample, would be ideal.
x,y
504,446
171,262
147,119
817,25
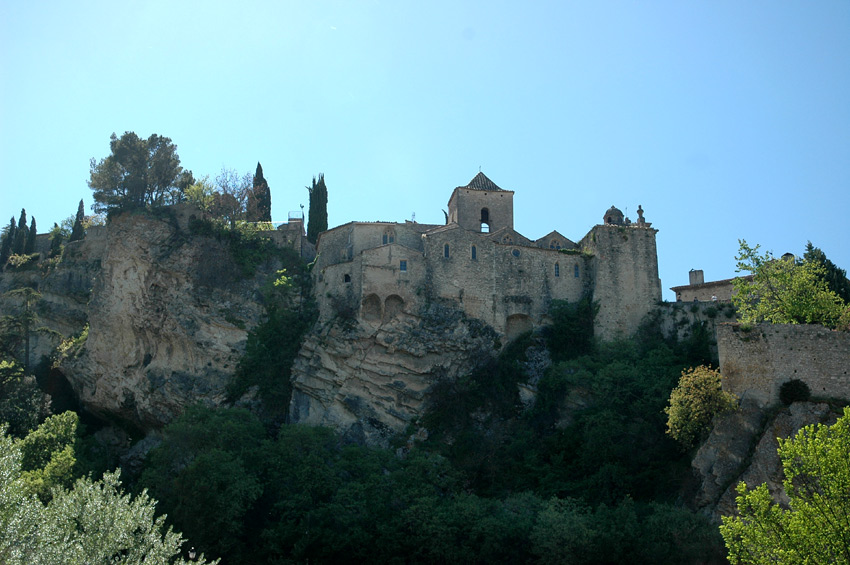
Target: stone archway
x,y
370,309
517,324
393,306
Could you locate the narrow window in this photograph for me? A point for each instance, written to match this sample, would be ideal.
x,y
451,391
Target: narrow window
x,y
557,270
402,265
446,251
346,278
474,253
385,239
575,270
485,227
485,216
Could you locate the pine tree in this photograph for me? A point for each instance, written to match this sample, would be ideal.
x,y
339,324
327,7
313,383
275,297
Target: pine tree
x,y
77,232
8,241
21,234
29,247
260,199
317,217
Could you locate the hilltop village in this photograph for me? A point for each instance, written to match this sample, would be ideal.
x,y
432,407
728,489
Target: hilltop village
x,y
480,263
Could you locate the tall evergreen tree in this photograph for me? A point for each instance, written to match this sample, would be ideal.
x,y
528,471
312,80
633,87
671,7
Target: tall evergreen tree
x,y
21,234
8,241
836,278
29,247
77,232
260,199
317,217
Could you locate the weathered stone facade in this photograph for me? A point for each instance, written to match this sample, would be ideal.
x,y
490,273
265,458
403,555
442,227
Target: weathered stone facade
x,y
479,263
756,362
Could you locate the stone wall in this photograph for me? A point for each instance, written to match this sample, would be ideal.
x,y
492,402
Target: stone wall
x,y
625,274
754,363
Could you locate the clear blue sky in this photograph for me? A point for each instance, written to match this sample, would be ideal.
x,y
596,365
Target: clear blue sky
x,y
723,119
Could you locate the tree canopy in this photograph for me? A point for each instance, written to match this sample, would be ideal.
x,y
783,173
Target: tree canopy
x,y
784,291
138,173
317,216
815,526
694,403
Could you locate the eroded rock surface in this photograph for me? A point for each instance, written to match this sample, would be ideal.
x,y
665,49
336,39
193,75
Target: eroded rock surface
x,y
168,322
742,447
370,381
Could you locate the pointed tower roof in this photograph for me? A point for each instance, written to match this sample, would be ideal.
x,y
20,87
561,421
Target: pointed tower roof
x,y
481,182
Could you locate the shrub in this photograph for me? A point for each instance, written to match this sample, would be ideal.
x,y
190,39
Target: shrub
x,y
694,403
793,391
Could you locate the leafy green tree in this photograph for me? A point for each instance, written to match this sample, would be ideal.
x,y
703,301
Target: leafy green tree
x,y
781,291
138,173
836,278
77,231
694,403
57,236
94,522
571,333
815,526
22,404
317,216
259,199
201,193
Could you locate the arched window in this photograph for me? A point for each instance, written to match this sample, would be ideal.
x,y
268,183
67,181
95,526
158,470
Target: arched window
x,y
575,270
446,251
557,270
388,237
485,220
474,253
485,227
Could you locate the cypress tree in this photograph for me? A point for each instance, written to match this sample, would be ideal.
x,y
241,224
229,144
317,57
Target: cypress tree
x,y
260,199
29,247
317,217
21,235
8,241
77,232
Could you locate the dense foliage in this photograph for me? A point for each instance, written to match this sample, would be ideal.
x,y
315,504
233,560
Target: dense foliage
x,y
91,522
138,173
694,403
815,526
783,291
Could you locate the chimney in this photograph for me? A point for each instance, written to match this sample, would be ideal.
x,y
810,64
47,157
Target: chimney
x,y
696,276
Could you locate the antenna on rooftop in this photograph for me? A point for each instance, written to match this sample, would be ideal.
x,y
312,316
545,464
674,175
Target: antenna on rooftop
x,y
413,218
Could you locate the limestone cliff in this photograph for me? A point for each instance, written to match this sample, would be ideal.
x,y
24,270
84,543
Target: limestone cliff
x,y
742,447
370,381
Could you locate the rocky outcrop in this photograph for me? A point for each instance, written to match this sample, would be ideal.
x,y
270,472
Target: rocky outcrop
x,y
168,321
742,447
369,381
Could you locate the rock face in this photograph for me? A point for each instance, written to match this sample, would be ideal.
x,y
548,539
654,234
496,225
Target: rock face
x,y
742,447
168,322
370,381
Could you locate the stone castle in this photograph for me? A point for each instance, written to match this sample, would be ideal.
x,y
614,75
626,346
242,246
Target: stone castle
x,y
479,263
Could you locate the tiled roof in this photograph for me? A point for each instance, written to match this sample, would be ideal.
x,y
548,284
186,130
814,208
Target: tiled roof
x,y
481,182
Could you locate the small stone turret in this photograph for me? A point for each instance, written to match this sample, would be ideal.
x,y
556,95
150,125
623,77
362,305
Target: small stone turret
x,y
613,216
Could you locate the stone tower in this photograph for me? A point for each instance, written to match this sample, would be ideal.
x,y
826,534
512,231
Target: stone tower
x,y
482,206
625,274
